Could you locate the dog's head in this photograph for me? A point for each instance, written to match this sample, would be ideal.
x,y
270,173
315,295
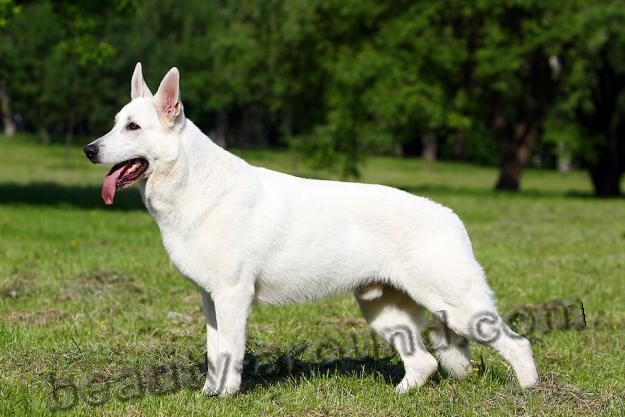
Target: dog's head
x,y
144,136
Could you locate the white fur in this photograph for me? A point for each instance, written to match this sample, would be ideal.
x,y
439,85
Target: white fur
x,y
243,233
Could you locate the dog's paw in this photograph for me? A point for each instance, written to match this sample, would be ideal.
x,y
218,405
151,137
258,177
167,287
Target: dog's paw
x,y
407,383
230,387
418,370
528,377
209,390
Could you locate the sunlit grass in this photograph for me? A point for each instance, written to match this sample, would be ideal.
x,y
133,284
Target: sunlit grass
x,y
86,288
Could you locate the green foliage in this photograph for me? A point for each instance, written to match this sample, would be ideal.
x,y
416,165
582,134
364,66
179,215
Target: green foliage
x,y
599,49
392,83
8,10
591,106
29,68
399,71
335,79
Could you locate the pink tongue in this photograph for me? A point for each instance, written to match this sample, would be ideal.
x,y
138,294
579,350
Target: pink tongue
x,y
110,185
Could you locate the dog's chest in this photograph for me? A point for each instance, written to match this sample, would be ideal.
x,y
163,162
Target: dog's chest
x,y
178,232
183,256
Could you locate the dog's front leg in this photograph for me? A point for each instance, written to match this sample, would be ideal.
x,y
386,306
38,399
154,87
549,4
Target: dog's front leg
x,y
232,307
212,343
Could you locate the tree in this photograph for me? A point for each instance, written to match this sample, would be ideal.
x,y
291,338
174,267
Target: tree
x,y
8,10
390,75
510,74
31,35
338,79
402,71
55,56
593,101
79,55
223,50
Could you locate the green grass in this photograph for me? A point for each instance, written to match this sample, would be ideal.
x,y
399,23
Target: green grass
x,y
86,290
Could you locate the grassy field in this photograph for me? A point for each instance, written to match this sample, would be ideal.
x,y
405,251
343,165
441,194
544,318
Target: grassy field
x,y
88,293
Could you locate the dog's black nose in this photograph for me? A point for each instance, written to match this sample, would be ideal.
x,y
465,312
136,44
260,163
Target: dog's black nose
x,y
91,151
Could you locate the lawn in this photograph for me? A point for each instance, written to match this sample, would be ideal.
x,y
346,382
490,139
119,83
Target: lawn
x,y
88,296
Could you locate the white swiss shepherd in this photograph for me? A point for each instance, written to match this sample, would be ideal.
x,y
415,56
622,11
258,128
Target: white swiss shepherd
x,y
243,233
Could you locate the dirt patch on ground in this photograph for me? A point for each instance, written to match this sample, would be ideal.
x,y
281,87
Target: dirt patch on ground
x,y
18,285
30,317
555,395
343,322
100,283
580,399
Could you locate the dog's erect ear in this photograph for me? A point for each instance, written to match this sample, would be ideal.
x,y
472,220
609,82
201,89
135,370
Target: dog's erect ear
x,y
138,87
167,99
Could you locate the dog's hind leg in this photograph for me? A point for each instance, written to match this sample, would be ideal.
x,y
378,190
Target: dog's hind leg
x,y
469,311
451,349
397,319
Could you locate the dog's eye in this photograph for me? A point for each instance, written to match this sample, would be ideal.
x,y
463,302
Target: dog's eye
x,y
132,126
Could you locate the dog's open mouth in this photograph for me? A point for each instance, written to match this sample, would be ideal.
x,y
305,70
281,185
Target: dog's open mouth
x,y
122,175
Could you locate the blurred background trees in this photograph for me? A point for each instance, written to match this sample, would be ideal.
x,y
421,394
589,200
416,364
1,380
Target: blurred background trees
x,y
513,83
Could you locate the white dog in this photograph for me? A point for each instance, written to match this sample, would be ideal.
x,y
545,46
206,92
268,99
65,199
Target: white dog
x,y
243,233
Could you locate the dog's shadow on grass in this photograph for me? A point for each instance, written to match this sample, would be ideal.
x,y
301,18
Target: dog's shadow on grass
x,y
294,366
89,197
434,190
256,375
55,195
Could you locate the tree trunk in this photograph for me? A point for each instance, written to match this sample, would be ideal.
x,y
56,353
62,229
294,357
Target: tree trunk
x,y
518,134
607,170
398,150
564,158
287,124
515,152
512,164
459,147
69,134
45,135
222,128
252,131
429,147
5,104
606,183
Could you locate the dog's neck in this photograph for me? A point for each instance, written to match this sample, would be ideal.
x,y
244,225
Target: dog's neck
x,y
200,168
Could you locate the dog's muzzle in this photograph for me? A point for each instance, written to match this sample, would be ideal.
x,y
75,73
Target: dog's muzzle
x,y
91,151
